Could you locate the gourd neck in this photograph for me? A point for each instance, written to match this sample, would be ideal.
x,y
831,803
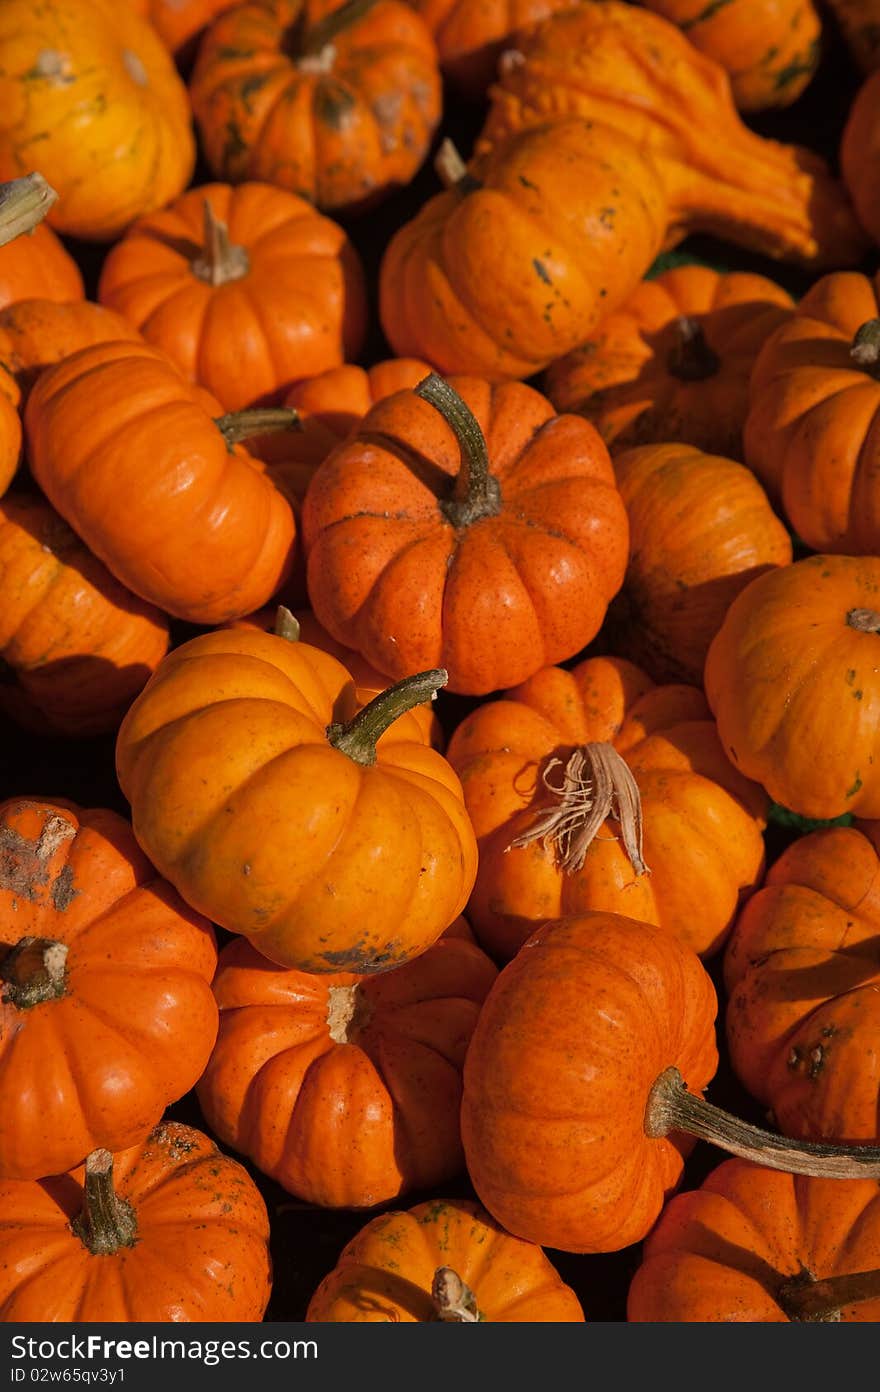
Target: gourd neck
x,y
690,358
476,493
358,737
33,972
105,1222
219,261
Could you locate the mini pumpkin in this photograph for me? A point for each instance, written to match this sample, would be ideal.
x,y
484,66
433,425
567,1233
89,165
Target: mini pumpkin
x,y
78,646
36,264
465,526
752,1245
209,537
334,847
803,981
247,289
344,1089
674,362
35,333
544,767
701,529
792,678
106,1013
168,1230
95,87
336,102
442,1260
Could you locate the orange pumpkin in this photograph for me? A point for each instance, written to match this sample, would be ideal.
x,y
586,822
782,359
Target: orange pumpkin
x,y
10,441
792,678
333,847
94,85
465,526
540,776
803,979
752,1245
345,1089
674,362
470,37
247,289
210,537
38,265
617,64
569,216
37,332
701,529
810,434
180,23
169,1230
770,49
860,155
442,1260
106,1014
78,646
336,102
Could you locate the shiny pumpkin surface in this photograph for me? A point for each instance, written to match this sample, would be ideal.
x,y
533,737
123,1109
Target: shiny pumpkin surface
x,y
135,1021
200,1254
674,362
569,1043
346,1090
393,574
803,980
721,1253
324,863
95,87
284,299
338,117
794,685
702,820
385,1273
212,538
39,265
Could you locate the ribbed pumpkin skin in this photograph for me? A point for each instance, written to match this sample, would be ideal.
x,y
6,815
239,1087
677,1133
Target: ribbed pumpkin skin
x,y
325,864
342,126
298,310
701,529
811,431
34,333
626,379
95,86
38,266
720,1253
384,1274
554,275
569,1042
212,538
619,64
471,37
770,49
795,689
702,820
392,576
803,979
201,1252
135,1025
79,644
345,1117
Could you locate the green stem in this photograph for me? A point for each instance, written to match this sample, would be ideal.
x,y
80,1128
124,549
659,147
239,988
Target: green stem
x,y
672,1108
23,204
33,971
476,492
243,425
219,261
106,1222
359,737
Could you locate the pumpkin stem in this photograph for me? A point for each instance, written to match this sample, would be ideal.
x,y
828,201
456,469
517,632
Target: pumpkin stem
x,y
864,620
804,1298
33,971
106,1222
23,204
672,1108
348,1012
596,784
452,171
219,261
286,624
691,359
243,425
865,349
358,738
476,492
454,1302
322,34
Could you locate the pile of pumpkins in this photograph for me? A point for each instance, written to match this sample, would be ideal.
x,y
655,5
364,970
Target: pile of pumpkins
x,y
456,594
